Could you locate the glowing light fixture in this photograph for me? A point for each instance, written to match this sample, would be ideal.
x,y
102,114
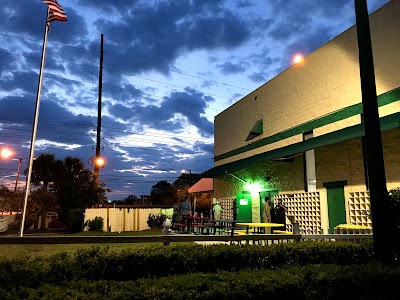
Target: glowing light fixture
x,y
100,162
298,58
6,153
254,187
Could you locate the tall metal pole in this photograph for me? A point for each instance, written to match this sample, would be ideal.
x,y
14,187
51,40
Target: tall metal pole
x,y
16,178
96,166
34,129
373,139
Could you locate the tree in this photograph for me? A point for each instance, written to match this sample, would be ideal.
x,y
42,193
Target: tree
x,y
75,186
43,170
10,201
163,193
184,182
130,200
64,184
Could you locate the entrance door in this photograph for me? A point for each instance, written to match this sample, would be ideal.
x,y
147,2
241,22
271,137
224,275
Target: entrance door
x,y
336,203
264,194
243,208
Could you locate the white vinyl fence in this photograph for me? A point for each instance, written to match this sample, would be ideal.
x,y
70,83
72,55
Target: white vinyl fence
x,y
125,219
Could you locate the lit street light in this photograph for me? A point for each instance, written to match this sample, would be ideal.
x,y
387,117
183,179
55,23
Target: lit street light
x,y
6,154
100,162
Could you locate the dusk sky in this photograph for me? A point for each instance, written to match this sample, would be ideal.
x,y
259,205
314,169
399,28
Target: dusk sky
x,y
169,68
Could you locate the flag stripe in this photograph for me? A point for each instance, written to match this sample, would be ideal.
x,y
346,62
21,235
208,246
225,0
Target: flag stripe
x,y
56,12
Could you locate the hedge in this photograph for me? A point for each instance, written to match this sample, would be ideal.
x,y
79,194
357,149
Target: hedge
x,y
158,261
366,281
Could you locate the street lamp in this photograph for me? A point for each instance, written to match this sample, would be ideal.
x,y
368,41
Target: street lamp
x,y
7,153
100,162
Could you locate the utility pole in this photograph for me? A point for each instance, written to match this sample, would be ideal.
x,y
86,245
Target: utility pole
x,y
96,165
373,138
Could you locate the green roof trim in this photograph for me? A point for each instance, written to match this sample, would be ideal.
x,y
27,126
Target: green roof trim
x,y
341,114
356,131
257,129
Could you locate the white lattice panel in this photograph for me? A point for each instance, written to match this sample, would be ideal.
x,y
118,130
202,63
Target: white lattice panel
x,y
227,207
359,208
306,209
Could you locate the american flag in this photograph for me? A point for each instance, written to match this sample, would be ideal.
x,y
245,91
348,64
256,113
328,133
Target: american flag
x,y
56,12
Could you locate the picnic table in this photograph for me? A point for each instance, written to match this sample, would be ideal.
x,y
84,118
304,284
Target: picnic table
x,y
195,222
258,226
221,224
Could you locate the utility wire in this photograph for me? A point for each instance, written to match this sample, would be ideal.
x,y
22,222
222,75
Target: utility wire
x,y
179,72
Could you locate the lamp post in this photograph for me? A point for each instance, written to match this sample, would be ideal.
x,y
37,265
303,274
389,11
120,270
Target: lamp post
x,y
16,178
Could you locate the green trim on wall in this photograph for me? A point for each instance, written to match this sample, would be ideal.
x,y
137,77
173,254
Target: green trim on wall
x,y
341,114
356,131
335,184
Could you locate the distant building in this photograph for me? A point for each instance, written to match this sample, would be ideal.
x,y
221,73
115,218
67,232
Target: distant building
x,y
300,137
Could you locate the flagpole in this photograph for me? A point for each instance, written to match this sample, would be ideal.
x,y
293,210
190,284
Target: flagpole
x,y
34,129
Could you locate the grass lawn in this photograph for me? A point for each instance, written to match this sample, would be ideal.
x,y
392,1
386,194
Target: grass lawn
x,y
25,251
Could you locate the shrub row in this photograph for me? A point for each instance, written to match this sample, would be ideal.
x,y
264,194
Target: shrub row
x,y
366,281
158,261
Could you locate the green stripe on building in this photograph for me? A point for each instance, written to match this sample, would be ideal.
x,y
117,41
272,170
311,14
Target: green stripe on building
x,y
356,131
347,112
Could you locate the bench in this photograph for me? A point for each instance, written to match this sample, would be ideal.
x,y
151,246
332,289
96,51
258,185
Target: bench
x,y
180,227
200,228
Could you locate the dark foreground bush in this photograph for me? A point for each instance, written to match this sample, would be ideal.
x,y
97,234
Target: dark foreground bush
x,y
366,281
159,261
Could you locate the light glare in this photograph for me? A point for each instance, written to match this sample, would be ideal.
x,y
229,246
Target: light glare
x,y
6,153
298,58
100,162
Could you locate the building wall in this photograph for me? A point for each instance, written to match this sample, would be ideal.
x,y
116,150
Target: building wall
x,y
344,161
339,162
326,81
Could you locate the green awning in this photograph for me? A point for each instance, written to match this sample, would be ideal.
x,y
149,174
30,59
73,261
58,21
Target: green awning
x,y
356,131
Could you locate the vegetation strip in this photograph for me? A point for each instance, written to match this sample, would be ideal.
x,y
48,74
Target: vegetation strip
x,y
159,261
296,282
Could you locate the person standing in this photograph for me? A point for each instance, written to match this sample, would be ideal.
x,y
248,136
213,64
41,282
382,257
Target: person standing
x,y
217,211
267,211
280,211
185,210
175,216
267,218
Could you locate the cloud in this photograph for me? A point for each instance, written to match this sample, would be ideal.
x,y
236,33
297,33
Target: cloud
x,y
154,36
27,18
258,77
56,123
189,104
228,67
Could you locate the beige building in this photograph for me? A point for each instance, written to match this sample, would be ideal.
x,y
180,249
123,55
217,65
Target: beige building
x,y
299,137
